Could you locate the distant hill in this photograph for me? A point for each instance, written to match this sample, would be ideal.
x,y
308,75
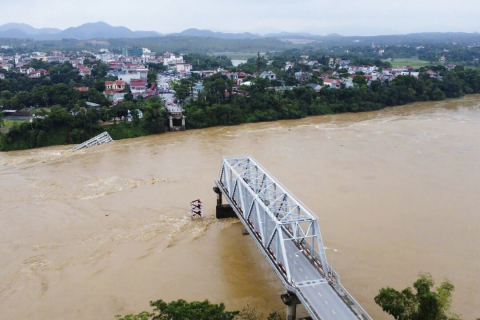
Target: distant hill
x,y
207,33
103,30
333,35
83,32
27,29
14,33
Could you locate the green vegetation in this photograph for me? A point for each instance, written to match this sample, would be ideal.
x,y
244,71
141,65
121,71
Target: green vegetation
x,y
10,123
411,62
62,127
198,310
208,62
217,105
19,92
235,55
424,304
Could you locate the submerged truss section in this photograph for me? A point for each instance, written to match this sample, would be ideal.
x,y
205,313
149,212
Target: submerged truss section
x,y
95,141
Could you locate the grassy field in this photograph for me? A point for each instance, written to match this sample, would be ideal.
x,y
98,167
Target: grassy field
x,y
236,55
410,62
7,124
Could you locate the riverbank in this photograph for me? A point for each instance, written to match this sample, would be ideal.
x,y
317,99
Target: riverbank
x,y
210,112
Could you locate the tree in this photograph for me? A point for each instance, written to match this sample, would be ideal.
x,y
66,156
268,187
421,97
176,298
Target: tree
x,y
183,310
151,77
361,81
425,304
154,116
99,85
250,313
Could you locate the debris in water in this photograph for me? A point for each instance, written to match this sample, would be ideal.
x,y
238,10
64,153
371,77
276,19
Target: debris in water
x,y
196,209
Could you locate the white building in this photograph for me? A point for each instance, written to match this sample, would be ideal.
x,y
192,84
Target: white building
x,y
268,75
129,76
183,67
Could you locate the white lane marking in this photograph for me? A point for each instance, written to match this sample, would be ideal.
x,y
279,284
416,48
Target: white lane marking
x,y
319,294
333,312
290,256
313,286
301,269
326,302
306,277
294,261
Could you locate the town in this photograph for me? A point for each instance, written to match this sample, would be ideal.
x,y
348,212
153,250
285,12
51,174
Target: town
x,y
114,87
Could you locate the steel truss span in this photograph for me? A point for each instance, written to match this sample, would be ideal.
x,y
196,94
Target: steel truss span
x,y
287,233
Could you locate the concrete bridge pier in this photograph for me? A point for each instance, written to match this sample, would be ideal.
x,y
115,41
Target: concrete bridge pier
x,y
291,301
223,210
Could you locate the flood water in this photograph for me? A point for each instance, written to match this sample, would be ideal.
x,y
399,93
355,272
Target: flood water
x,y
100,232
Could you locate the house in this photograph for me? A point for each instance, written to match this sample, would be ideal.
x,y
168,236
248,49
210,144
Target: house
x,y
2,76
315,87
81,88
92,104
137,111
138,85
289,65
332,74
332,83
197,89
243,93
450,67
442,59
302,76
38,74
26,69
268,75
170,59
331,62
207,73
183,67
113,96
348,83
124,76
118,85
84,71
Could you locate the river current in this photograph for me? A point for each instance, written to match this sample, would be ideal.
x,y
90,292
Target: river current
x,y
103,231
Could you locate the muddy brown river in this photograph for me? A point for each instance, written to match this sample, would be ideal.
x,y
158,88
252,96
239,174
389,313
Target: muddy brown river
x,y
100,232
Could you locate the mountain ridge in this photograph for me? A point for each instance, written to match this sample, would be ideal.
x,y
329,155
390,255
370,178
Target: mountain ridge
x,y
85,31
102,30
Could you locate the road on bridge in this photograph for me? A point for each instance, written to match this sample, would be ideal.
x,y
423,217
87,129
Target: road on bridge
x,y
321,296
313,286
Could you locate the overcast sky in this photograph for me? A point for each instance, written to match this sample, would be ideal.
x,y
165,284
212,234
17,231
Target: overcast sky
x,y
347,17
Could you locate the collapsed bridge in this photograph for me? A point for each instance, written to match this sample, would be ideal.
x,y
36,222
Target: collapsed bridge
x,y
288,235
